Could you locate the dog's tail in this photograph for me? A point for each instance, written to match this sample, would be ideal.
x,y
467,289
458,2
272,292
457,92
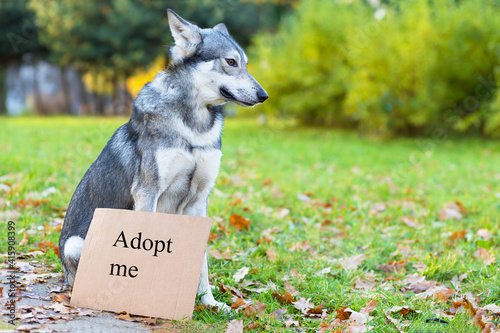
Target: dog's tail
x,y
71,250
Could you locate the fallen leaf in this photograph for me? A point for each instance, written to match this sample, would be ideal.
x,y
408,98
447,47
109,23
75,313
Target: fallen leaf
x,y
125,316
370,306
240,274
238,303
217,255
484,234
444,295
342,314
45,245
25,238
278,314
493,308
458,235
452,210
363,284
271,255
290,288
284,299
303,197
212,236
409,221
487,256
353,262
295,273
239,222
302,246
377,208
235,326
393,266
303,305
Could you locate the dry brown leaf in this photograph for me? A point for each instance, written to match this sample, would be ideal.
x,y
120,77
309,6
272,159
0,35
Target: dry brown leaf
x,y
363,284
370,306
444,295
239,222
212,236
125,316
295,273
303,305
458,235
62,298
234,291
300,246
25,239
493,308
409,221
288,323
290,288
487,256
284,299
45,245
377,207
240,274
393,266
238,303
217,255
250,311
234,326
484,234
278,314
353,262
271,255
260,307
342,314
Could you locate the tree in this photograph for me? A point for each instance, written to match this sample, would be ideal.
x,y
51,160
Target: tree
x,y
109,37
18,36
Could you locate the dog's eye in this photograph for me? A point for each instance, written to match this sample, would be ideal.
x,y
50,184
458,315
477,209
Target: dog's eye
x,y
231,62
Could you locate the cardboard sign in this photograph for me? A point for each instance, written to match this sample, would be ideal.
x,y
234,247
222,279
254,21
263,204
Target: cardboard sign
x,y
143,263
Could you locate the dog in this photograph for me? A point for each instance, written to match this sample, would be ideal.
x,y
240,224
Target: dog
x,y
167,156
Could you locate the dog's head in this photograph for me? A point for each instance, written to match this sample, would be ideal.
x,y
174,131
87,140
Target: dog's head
x,y
218,63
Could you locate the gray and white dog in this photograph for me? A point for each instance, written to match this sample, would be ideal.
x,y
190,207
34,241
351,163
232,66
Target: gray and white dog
x,y
167,157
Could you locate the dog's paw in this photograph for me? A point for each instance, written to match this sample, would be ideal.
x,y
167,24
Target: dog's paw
x,y
223,307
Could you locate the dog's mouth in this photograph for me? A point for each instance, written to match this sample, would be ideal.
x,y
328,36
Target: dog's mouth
x,y
230,97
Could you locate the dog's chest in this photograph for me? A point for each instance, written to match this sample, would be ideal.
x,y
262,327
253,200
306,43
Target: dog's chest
x,y
184,175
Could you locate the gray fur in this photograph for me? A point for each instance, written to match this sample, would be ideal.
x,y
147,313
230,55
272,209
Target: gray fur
x,y
171,122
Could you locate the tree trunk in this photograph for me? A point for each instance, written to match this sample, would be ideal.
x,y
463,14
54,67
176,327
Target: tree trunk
x,y
98,104
3,89
84,107
38,103
115,97
65,89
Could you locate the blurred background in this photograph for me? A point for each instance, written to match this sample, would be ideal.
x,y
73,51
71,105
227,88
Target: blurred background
x,y
388,68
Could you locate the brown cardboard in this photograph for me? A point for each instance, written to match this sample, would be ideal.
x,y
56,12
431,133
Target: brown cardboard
x,y
164,285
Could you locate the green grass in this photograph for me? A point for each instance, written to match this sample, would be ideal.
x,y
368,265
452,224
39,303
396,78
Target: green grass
x,y
267,167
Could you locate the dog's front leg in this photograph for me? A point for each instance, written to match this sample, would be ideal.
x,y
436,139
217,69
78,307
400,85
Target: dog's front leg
x,y
199,208
145,199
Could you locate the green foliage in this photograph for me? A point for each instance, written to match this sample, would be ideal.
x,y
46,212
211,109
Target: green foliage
x,y
115,35
18,33
426,67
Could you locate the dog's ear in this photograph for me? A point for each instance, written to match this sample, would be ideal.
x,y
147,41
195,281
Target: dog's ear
x,y
222,28
187,36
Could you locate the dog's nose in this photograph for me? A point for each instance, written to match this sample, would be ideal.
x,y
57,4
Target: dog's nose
x,y
262,95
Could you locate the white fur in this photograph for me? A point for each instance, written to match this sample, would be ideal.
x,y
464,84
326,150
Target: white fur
x,y
174,166
73,247
242,86
198,139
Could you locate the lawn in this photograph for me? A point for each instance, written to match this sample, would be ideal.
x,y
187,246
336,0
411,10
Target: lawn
x,y
318,220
